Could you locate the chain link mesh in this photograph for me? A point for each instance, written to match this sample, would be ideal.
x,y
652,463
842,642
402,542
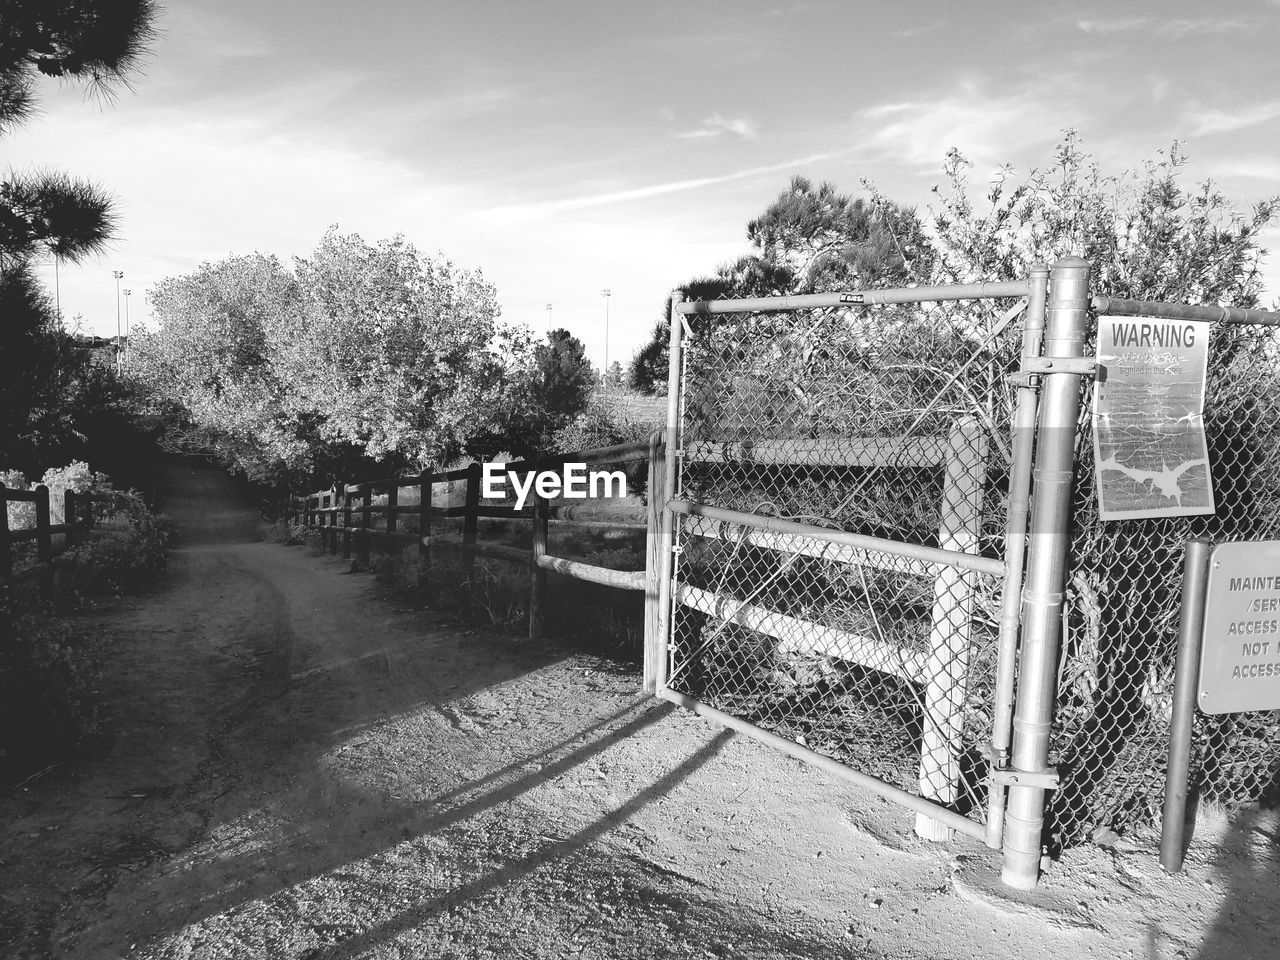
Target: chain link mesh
x,y
890,422
1115,677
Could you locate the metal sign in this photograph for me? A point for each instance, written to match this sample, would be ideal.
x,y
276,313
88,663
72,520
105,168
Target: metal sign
x,y
1240,650
1150,454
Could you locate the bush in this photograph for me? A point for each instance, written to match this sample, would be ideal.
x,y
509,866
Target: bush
x,y
48,674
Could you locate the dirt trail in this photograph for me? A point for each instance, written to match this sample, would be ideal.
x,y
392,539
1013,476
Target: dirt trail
x,y
304,768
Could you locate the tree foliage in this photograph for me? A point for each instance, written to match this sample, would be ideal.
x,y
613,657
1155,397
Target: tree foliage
x,y
361,350
1146,234
53,398
811,238
544,393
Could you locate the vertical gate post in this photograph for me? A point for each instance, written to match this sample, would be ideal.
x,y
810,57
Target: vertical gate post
x,y
653,561
470,527
425,487
1195,584
666,530
537,572
947,667
1048,543
1015,553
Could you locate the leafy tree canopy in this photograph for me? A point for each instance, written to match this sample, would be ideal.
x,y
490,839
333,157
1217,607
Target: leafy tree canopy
x,y
361,350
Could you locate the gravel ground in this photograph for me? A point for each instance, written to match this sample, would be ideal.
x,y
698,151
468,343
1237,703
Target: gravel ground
x,y
302,767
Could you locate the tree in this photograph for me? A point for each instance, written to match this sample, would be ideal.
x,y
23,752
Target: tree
x,y
363,351
91,41
808,240
46,387
1147,236
210,366
546,393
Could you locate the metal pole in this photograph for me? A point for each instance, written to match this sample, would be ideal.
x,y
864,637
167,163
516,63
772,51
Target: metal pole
x,y
1015,553
1067,321
864,298
118,274
606,293
653,563
1195,578
666,528
127,293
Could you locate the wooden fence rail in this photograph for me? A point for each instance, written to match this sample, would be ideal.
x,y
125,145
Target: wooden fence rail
x,y
352,504
77,513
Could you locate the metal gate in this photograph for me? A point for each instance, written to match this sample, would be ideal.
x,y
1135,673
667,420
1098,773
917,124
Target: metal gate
x,y
847,515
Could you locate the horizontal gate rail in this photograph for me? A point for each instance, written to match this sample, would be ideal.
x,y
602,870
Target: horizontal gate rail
x,y
804,636
710,529
914,551
861,298
1113,307
873,452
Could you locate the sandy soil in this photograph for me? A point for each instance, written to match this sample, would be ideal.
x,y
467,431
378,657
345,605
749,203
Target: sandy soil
x,y
305,768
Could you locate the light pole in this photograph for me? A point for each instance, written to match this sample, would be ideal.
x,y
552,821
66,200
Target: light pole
x,y
126,291
548,318
606,293
118,274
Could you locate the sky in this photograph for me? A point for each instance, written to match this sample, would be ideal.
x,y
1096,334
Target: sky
x,y
565,147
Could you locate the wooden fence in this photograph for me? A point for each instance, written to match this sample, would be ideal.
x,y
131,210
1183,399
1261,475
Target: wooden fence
x,y
77,512
343,517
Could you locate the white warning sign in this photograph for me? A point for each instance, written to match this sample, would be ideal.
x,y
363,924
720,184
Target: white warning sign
x,y
1150,454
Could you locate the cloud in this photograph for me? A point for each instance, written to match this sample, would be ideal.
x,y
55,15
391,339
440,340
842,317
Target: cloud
x,y
717,125
982,126
1227,121
1172,29
528,211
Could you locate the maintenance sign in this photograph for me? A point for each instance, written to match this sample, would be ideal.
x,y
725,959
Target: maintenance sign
x,y
1150,454
1240,649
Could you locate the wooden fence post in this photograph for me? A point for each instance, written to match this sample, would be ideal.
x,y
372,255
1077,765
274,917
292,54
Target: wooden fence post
x,y
393,505
334,543
538,573
346,521
44,537
946,670
366,519
69,518
425,486
6,549
653,563
470,527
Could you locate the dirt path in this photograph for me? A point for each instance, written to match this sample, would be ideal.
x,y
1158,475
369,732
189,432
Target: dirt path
x,y
303,768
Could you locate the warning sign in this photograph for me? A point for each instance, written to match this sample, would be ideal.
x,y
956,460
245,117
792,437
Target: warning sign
x,y
1150,454
1240,650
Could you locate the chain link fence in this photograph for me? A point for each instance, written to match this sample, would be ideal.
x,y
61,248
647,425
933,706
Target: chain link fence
x,y
1115,675
887,422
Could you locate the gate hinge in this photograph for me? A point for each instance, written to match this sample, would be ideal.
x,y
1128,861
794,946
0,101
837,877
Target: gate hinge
x,y
1044,779
1034,368
1085,366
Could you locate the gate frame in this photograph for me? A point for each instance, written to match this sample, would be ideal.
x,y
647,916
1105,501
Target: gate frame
x,y
933,819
